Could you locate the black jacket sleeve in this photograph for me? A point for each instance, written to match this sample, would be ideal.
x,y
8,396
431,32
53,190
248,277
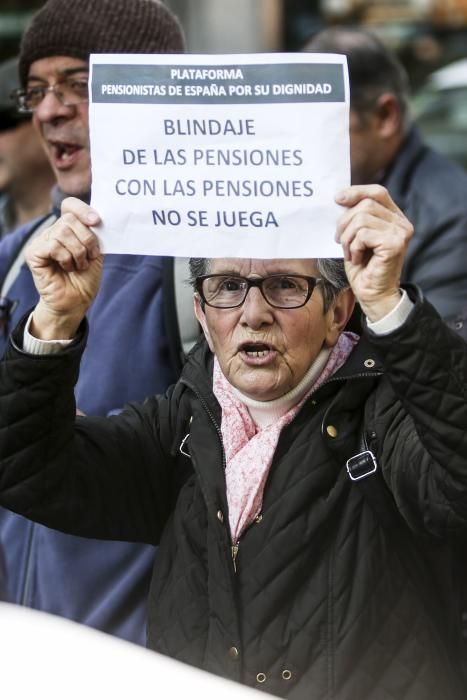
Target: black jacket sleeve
x,y
423,434
109,478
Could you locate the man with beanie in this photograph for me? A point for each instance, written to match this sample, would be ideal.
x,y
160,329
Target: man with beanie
x,y
102,584
26,177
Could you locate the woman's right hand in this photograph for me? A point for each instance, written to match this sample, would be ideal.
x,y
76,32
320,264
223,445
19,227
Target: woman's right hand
x,y
66,265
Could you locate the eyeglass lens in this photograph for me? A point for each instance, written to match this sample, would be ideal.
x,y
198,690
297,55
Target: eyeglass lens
x,y
286,291
70,91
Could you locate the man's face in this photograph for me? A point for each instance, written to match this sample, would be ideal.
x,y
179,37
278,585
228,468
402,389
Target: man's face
x,y
64,130
21,155
265,352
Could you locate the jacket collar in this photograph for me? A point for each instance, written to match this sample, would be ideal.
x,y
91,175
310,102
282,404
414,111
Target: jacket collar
x,y
363,361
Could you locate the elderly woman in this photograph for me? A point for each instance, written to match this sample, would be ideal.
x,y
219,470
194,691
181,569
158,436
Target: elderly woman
x,y
275,568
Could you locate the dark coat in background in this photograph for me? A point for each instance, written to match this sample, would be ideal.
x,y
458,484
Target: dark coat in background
x,y
431,190
320,604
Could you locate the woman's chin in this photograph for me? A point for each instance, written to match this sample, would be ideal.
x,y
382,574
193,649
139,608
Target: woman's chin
x,y
261,388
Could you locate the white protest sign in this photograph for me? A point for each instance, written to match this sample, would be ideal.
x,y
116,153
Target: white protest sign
x,y
219,156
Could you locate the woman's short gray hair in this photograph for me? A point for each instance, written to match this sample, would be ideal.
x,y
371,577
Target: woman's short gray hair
x,y
331,271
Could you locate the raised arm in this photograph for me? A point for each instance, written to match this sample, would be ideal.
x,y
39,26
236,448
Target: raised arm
x,y
374,234
108,478
419,412
66,264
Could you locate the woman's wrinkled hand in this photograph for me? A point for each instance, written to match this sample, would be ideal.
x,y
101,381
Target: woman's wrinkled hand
x,y
66,265
374,235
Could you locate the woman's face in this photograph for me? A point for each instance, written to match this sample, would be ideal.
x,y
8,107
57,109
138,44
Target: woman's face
x,y
265,352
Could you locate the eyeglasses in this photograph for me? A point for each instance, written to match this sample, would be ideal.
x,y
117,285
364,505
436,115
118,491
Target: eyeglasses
x,y
280,291
70,91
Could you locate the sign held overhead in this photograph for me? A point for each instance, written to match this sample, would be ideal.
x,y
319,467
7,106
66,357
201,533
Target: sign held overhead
x,y
219,156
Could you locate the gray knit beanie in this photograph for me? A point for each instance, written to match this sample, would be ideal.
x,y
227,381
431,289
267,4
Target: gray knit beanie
x,y
78,28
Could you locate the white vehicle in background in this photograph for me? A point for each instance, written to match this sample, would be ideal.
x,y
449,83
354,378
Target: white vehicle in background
x,y
440,110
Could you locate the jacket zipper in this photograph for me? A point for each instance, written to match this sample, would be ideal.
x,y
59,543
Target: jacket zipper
x,y
234,549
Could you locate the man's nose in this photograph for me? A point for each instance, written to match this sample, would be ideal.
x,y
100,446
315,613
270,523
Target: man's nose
x,y
50,107
256,311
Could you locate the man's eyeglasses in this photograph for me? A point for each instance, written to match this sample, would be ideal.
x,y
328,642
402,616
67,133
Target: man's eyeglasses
x,y
70,91
280,291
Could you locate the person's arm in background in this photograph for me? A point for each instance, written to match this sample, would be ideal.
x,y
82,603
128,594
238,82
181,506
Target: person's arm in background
x,y
436,261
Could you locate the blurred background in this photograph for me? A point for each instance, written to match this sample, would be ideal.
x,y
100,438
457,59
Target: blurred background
x,y
427,35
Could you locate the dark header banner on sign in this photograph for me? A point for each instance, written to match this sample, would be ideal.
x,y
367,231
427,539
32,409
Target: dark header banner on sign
x,y
222,84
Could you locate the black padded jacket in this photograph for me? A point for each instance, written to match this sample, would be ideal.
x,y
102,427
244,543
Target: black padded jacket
x,y
319,604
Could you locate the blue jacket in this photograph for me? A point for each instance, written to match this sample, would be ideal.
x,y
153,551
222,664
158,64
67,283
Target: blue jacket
x,y
102,584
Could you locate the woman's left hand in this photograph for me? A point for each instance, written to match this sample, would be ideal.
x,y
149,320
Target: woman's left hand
x,y
374,234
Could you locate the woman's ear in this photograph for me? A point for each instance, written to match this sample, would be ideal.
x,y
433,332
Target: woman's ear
x,y
201,316
338,315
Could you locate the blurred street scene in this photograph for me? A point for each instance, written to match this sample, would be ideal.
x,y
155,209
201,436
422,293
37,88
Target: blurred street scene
x,y
426,34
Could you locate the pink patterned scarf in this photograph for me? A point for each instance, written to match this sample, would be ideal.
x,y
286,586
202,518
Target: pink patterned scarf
x,y
249,450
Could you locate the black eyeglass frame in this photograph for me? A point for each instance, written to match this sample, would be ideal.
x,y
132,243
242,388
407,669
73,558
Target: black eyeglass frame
x,y
19,96
312,283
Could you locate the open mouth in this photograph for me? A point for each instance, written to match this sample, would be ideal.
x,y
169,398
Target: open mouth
x,y
65,153
256,350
